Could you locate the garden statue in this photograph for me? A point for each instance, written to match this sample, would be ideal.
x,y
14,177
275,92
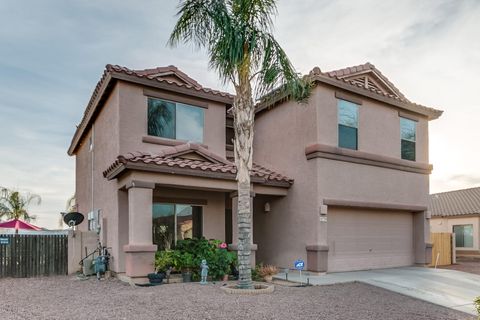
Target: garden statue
x,y
204,272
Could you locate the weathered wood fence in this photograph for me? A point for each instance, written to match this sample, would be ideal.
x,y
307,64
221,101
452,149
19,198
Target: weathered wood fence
x,y
23,256
442,248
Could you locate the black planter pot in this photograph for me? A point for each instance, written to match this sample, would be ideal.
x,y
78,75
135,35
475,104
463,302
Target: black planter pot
x,y
187,276
156,278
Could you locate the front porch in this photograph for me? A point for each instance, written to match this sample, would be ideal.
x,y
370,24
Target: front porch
x,y
159,205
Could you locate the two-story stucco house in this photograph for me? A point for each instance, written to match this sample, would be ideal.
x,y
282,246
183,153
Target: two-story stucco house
x,y
342,182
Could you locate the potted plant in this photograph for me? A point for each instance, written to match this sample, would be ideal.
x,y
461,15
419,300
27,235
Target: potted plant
x,y
186,265
163,262
267,272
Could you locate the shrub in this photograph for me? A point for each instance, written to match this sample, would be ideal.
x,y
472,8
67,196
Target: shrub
x,y
255,273
477,305
189,253
164,260
267,270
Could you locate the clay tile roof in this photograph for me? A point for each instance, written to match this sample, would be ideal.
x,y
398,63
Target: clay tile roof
x,y
345,76
206,161
158,74
349,71
169,76
454,203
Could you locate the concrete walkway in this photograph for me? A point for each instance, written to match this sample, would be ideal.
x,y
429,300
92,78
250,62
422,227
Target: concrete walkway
x,y
448,288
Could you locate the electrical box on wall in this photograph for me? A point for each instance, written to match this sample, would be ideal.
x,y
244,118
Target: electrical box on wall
x,y
94,220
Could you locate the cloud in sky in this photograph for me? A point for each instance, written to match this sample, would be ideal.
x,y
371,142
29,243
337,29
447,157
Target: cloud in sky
x,y
52,53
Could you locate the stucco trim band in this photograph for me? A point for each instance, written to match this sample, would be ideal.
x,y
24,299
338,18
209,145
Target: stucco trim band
x,y
347,97
374,205
174,98
167,142
140,184
354,156
316,248
140,248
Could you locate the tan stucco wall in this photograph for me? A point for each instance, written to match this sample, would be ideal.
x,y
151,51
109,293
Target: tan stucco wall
x,y
133,122
105,151
446,225
279,143
374,118
281,136
119,129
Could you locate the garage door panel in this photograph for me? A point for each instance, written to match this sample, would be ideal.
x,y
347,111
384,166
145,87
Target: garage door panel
x,y
362,239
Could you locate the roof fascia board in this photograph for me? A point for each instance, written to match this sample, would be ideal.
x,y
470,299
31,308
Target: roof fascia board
x,y
82,127
172,87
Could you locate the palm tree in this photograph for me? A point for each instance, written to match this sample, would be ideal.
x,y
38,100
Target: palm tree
x,y
237,35
14,205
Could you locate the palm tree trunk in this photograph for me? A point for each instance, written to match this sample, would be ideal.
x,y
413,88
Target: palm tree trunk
x,y
243,126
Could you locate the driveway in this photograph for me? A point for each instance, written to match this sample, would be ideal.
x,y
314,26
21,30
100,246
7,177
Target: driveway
x,y
449,288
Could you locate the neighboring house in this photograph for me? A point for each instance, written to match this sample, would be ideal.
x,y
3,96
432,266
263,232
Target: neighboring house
x,y
459,212
341,182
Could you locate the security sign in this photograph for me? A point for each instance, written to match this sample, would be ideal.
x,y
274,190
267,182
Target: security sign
x,y
299,264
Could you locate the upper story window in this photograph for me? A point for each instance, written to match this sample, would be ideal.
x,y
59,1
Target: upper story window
x,y
347,125
175,120
408,138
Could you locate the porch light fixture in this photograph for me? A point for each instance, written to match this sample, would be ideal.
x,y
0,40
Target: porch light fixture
x,y
266,207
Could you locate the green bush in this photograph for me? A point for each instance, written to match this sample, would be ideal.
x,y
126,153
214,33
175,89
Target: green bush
x,y
477,305
164,260
189,253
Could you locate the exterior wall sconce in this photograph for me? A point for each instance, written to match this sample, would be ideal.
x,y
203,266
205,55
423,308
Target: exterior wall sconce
x,y
266,207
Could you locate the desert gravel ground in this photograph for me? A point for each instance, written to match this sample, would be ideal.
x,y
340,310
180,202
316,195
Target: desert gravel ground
x,y
69,298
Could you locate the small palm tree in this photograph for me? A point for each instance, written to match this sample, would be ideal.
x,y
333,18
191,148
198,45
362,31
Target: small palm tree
x,y
14,205
237,35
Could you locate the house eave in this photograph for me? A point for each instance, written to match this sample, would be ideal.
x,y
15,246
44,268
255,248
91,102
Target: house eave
x,y
122,168
429,113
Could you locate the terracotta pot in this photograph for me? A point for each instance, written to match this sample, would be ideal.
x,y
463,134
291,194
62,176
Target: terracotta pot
x,y
268,279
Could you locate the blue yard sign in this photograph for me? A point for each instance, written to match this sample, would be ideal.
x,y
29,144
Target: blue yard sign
x,y
4,241
299,264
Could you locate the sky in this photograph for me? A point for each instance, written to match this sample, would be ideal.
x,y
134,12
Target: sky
x,y
52,53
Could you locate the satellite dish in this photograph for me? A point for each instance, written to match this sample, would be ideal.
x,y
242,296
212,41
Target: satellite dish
x,y
73,218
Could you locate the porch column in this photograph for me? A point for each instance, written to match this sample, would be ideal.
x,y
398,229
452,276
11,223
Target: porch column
x,y
421,237
140,250
234,245
317,253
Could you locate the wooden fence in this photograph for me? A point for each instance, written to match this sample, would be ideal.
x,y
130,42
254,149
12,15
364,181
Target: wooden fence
x,y
23,256
442,247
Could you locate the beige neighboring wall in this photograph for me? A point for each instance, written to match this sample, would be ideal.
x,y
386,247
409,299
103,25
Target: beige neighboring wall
x,y
439,224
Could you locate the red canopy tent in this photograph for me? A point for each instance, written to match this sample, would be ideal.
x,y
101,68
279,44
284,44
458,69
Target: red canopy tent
x,y
18,224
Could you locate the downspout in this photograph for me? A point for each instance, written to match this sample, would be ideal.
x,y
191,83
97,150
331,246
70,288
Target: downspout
x,y
92,146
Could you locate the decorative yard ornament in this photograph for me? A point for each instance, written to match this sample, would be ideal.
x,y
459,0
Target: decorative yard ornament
x,y
204,272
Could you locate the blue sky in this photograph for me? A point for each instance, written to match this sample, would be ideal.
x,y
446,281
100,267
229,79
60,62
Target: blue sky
x,y
52,53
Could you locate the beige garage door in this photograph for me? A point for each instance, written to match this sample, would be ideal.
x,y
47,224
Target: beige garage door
x,y
369,239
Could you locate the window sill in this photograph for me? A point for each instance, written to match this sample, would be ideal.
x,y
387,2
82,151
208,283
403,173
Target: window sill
x,y
168,142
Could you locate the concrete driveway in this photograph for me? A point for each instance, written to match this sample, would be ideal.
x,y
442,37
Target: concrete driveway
x,y
448,288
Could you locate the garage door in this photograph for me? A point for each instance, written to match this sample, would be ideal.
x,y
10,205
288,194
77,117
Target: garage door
x,y
369,239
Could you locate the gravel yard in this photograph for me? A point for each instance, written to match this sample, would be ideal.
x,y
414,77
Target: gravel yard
x,y
68,298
